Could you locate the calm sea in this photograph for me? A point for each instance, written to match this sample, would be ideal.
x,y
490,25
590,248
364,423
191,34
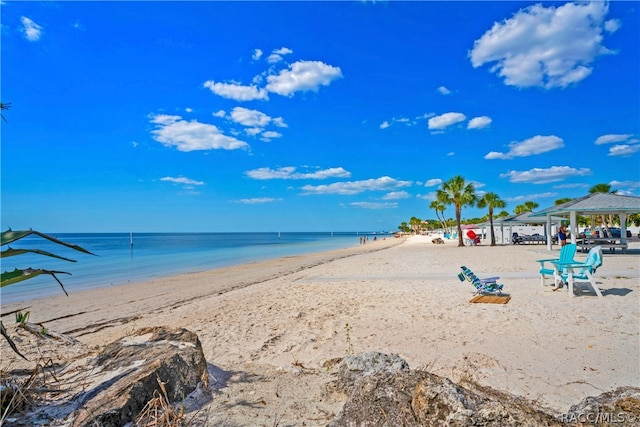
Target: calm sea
x,y
117,261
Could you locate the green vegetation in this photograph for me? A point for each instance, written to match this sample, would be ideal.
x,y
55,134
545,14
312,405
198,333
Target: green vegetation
x,y
460,193
4,106
19,275
525,207
492,201
347,330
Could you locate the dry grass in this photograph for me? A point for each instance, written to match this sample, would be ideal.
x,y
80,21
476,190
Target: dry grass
x,y
158,412
18,391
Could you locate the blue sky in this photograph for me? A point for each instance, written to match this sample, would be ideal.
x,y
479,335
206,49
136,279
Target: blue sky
x,y
308,116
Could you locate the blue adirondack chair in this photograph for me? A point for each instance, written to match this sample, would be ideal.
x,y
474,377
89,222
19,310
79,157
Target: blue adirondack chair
x,y
488,286
567,252
582,271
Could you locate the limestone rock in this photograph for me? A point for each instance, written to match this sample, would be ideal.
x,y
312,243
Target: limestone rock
x,y
353,368
127,373
620,407
394,397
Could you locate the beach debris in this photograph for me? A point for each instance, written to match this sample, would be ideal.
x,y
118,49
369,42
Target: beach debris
x,y
437,241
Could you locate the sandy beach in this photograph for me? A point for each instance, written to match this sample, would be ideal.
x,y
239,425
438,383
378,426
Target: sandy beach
x,y
267,328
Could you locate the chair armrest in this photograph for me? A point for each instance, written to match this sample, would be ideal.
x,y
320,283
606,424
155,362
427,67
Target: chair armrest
x,y
547,259
573,264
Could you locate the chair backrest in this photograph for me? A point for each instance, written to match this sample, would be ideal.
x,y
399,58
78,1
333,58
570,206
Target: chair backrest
x,y
469,275
567,253
594,258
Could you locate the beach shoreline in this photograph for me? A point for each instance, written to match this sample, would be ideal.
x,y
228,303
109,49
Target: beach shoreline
x,y
396,296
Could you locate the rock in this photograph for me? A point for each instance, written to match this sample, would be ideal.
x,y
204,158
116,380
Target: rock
x,y
353,368
620,407
127,373
437,241
405,397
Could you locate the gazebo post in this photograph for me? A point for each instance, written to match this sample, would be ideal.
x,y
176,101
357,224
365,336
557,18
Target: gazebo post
x,y
623,228
548,232
573,221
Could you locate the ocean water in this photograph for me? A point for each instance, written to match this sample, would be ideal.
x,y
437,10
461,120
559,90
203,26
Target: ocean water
x,y
117,261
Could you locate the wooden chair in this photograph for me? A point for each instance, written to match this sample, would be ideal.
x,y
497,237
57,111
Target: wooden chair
x,y
567,252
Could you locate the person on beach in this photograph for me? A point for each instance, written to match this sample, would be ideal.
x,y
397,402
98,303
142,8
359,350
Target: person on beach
x,y
562,235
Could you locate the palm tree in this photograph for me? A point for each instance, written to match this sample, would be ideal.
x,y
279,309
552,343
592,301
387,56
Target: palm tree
x,y
563,200
525,207
491,200
415,223
438,206
460,193
602,188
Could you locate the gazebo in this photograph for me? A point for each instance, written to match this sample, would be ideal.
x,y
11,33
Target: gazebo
x,y
526,218
593,204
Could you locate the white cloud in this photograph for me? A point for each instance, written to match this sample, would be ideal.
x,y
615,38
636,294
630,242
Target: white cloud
x,y
247,117
624,150
628,184
257,54
547,47
31,30
396,195
384,183
219,113
574,185
236,91
402,120
477,184
188,110
536,145
253,131
531,197
613,137
174,131
445,120
374,205
443,90
433,182
289,172
612,25
257,200
302,76
429,196
269,135
479,122
544,176
277,54
181,180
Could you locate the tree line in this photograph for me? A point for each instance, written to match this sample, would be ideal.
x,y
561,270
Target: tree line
x,y
460,193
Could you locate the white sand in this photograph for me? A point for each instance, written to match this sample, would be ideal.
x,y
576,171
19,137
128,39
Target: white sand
x,y
266,328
